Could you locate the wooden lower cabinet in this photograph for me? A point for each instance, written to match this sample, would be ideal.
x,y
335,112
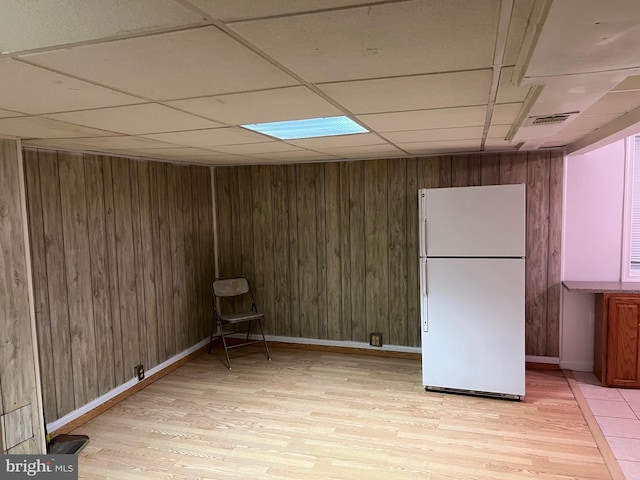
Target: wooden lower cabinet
x,y
617,340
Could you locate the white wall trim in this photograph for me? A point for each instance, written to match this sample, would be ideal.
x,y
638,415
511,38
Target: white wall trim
x,y
69,417
627,203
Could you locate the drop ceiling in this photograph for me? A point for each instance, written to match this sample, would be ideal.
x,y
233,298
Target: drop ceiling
x,y
175,79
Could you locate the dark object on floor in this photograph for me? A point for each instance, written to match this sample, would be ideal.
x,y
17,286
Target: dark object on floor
x,y
68,444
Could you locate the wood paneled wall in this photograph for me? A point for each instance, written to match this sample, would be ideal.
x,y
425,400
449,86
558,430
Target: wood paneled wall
x,y
122,258
332,248
21,428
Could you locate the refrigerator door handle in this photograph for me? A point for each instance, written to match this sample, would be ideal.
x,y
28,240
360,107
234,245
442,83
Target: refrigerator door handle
x,y
424,298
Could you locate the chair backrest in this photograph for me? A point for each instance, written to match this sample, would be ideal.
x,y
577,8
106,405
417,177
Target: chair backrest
x,y
230,287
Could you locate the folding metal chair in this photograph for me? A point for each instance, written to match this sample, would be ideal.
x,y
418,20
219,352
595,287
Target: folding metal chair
x,y
228,288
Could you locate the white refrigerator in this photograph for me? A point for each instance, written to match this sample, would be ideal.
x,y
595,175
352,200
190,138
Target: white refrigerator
x,y
472,289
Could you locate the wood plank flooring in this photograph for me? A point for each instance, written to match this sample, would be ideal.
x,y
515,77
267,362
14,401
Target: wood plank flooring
x,y
324,415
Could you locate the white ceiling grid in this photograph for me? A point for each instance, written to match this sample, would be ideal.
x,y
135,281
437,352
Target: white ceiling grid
x,y
175,79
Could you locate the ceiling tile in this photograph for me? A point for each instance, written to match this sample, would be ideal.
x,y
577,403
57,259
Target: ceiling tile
x,y
424,148
30,24
412,93
505,113
37,127
298,155
517,28
425,119
589,122
615,102
122,142
498,131
507,91
498,144
337,141
231,10
210,137
629,83
436,134
137,119
30,89
175,65
365,151
380,40
172,150
292,103
257,148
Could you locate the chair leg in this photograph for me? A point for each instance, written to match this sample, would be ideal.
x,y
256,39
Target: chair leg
x,y
264,340
213,323
226,351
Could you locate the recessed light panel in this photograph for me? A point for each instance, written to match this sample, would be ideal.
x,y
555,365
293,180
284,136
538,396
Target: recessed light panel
x,y
308,128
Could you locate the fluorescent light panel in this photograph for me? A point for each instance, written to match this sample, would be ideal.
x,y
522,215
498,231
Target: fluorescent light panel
x,y
308,128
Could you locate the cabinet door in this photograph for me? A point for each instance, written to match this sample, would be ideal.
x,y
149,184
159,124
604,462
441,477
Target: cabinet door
x,y
623,340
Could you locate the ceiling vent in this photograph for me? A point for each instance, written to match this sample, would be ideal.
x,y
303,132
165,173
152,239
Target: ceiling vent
x,y
553,119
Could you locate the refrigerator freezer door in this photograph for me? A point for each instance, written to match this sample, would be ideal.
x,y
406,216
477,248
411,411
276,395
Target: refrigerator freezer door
x,y
487,221
475,340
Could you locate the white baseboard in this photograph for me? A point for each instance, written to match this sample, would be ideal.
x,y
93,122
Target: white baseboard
x,y
577,366
69,417
340,343
537,359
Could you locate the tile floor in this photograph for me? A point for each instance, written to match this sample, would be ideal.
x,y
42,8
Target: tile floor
x,y
617,411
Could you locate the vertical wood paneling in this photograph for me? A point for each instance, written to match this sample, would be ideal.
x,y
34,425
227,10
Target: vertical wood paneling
x,y
397,248
307,250
245,212
428,172
345,249
39,278
475,169
138,262
554,259
263,245
460,171
444,171
190,229
357,252
294,284
537,252
111,231
333,244
490,169
411,198
78,269
56,281
120,171
321,249
148,271
176,235
281,323
114,287
94,180
17,367
352,242
169,310
376,247
513,168
155,192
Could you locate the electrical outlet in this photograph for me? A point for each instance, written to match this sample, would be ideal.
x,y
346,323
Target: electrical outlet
x,y
375,339
139,371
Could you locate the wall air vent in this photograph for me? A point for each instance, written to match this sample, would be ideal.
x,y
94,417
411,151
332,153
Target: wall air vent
x,y
555,118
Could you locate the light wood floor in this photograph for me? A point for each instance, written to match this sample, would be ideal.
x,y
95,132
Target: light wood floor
x,y
319,415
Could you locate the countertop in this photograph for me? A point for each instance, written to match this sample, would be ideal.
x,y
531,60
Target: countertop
x,y
602,287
